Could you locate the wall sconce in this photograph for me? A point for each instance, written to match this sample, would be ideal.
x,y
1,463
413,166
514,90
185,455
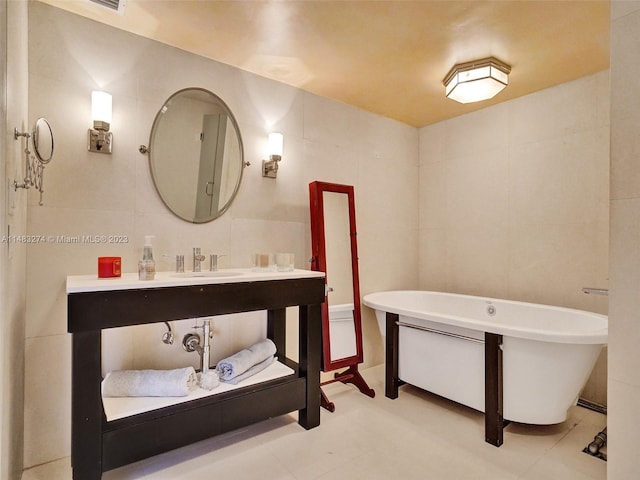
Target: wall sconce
x,y
100,138
270,167
475,81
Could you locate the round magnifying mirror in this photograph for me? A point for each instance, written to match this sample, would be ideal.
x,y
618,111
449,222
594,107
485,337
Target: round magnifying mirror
x,y
196,155
43,141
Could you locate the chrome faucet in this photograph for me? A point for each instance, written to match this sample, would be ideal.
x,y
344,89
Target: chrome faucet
x,y
197,258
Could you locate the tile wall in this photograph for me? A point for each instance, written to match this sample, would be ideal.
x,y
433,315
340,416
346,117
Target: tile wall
x,y
514,198
13,208
624,317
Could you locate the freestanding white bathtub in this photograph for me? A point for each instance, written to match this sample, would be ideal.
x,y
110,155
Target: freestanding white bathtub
x,y
547,352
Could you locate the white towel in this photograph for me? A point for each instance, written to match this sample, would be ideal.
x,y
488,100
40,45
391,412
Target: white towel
x,y
150,383
252,371
240,362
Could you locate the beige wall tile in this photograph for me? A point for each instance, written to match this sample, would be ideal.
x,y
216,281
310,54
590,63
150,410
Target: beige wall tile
x,y
560,180
433,195
551,263
476,190
433,259
47,422
556,112
624,381
67,248
480,131
620,8
13,209
625,158
622,434
625,301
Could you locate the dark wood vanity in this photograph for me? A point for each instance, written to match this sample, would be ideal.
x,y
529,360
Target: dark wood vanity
x,y
99,445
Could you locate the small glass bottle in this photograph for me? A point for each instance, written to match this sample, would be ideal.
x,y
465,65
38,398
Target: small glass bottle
x,y
147,266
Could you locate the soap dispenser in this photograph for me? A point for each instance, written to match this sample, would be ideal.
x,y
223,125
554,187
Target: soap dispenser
x,y
147,266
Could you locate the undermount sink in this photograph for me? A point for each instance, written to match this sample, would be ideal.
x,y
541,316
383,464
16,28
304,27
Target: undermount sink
x,y
205,274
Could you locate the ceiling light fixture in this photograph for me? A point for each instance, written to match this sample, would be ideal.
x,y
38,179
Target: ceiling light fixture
x,y
475,81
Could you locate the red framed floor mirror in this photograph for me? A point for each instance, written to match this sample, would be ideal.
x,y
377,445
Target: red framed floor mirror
x,y
335,252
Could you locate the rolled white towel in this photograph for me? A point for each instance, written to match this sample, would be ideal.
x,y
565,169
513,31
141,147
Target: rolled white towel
x,y
240,362
150,383
252,371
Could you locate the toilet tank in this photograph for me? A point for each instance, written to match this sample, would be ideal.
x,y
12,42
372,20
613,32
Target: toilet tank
x,y
342,331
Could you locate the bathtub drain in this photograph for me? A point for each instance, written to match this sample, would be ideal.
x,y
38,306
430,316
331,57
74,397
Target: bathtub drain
x,y
491,310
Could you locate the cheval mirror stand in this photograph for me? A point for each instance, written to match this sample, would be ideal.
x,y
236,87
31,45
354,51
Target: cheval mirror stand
x,y
335,252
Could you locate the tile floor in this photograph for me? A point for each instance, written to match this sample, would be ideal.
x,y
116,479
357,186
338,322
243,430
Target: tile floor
x,y
417,436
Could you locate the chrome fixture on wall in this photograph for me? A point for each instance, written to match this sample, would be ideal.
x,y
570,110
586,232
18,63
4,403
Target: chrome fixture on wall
x,y
42,141
595,291
477,80
167,337
100,138
270,167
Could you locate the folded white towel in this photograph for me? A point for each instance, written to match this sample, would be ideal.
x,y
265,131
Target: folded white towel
x,y
240,362
150,383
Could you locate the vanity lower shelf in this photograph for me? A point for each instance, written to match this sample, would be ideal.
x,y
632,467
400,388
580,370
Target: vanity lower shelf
x,y
135,437
121,407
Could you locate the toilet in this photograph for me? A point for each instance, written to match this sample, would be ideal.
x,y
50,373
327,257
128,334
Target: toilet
x,y
342,332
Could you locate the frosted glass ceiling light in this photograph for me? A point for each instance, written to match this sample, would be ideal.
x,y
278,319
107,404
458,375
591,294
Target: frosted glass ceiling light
x,y
475,81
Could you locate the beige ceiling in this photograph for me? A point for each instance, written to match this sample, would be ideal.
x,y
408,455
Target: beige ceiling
x,y
387,57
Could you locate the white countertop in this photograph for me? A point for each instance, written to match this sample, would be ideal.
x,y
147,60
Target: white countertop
x,y
129,281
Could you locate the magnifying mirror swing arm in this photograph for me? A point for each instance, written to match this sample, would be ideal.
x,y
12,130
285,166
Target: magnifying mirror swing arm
x,y
34,164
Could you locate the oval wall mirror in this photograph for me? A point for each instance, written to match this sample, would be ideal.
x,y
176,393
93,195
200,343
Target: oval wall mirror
x,y
335,252
196,155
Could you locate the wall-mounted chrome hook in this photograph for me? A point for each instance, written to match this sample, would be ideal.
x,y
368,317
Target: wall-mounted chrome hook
x,y
167,338
17,134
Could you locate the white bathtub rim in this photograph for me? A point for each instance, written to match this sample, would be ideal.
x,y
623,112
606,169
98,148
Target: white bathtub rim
x,y
596,336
